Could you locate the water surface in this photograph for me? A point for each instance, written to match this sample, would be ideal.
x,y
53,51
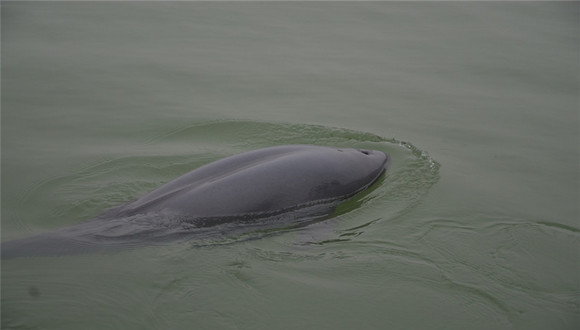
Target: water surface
x,y
476,225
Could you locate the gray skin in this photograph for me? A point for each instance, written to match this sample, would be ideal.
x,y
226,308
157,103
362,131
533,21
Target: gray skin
x,y
260,184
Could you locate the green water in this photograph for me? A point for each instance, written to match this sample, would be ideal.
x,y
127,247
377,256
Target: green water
x,y
476,225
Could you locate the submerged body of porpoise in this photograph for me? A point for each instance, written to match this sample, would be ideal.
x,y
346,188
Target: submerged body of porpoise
x,y
239,190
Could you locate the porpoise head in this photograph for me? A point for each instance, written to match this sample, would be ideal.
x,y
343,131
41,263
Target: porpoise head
x,y
348,171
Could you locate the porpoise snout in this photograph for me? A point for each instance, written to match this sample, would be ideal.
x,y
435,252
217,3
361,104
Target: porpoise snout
x,y
381,158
